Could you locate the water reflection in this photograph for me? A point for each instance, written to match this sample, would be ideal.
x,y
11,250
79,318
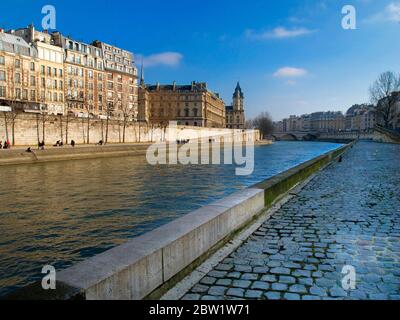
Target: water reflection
x,y
60,213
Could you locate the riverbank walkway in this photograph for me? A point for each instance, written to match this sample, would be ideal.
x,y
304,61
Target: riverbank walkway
x,y
348,215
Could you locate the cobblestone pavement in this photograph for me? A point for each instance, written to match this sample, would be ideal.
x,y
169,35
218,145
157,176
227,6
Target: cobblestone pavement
x,y
348,215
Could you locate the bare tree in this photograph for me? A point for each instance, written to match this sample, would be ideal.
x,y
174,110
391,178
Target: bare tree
x,y
37,128
107,121
88,124
6,124
66,127
383,94
263,122
13,116
45,118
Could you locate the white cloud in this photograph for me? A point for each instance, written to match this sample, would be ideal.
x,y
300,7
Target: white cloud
x,y
170,59
278,33
393,10
390,13
290,72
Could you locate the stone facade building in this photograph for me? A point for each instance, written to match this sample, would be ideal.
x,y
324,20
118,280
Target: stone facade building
x,y
190,105
19,74
235,117
121,78
329,121
361,118
49,69
84,77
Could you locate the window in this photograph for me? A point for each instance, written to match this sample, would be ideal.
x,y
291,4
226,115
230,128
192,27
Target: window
x,y
60,72
33,81
61,85
48,71
17,78
25,94
61,99
2,75
55,82
2,91
186,112
55,97
2,60
33,95
55,72
18,94
43,82
32,66
18,63
43,69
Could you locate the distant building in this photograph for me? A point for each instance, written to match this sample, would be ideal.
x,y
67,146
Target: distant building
x,y
49,69
235,116
84,77
361,117
55,74
190,105
316,122
121,78
19,74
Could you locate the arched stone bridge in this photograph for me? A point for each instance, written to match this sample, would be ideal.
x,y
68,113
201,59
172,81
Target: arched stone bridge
x,y
295,136
379,134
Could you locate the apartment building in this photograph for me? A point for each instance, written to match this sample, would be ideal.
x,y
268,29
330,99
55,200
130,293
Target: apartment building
x,y
49,69
19,74
84,77
121,81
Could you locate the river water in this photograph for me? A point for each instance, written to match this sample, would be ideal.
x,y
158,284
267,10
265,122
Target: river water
x,y
63,212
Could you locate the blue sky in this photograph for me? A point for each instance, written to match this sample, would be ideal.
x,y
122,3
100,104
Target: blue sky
x,y
291,57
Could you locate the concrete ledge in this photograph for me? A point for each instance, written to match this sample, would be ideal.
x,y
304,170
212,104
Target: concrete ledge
x,y
145,265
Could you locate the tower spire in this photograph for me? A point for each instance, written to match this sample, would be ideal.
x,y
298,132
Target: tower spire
x,y
142,74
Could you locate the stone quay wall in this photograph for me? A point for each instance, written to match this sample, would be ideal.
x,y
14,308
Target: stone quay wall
x,y
29,129
147,266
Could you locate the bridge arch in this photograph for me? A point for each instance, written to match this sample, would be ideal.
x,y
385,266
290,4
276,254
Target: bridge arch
x,y
310,137
289,137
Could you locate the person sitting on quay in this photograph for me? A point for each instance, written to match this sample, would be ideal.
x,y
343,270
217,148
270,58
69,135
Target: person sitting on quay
x,y
57,144
29,150
1,144
100,143
41,145
73,143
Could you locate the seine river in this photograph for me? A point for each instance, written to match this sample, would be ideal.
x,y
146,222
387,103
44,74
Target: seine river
x,y
63,212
